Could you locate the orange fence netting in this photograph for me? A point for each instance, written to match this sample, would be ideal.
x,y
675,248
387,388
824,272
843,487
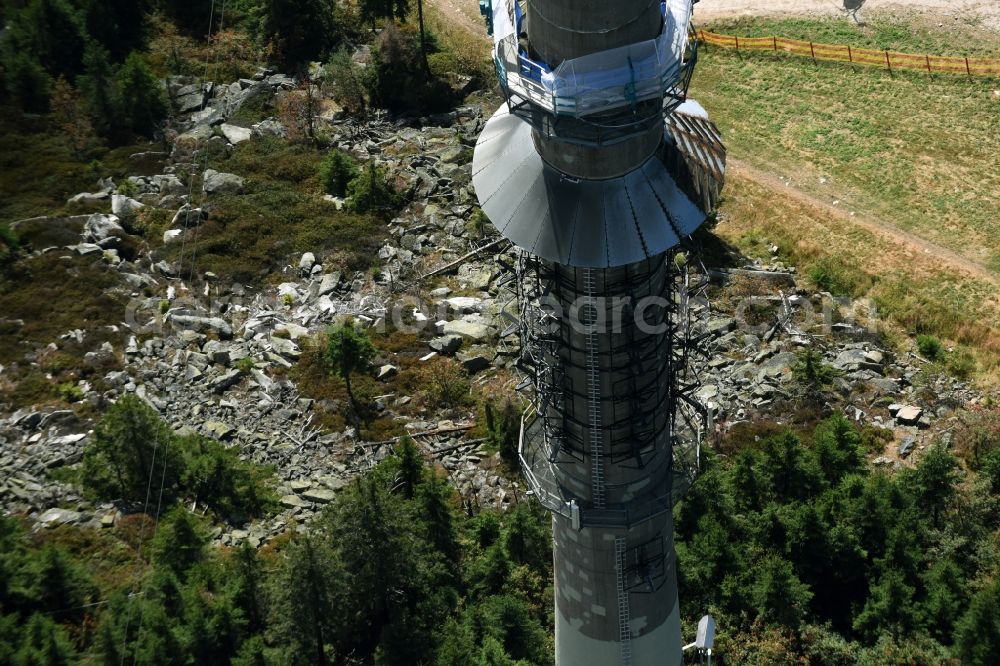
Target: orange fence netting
x,y
840,53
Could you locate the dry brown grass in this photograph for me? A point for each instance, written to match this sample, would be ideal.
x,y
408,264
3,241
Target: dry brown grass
x,y
914,293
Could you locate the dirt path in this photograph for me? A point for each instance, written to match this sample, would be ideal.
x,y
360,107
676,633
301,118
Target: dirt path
x,y
886,230
460,12
986,10
455,13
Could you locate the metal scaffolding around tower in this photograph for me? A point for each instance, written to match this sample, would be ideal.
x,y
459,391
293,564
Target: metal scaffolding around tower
x,y
598,168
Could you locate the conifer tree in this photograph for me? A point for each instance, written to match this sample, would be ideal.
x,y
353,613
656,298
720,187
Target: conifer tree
x,y
50,31
526,539
142,104
935,477
97,85
120,26
245,576
837,446
179,543
411,467
348,351
977,633
132,448
300,30
890,608
778,595
434,497
946,598
27,83
304,609
43,643
59,584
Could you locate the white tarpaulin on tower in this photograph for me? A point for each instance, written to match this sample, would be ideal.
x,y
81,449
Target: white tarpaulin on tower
x,y
506,17
677,19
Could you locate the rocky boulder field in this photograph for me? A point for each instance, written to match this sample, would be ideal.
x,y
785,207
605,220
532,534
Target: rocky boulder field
x,y
217,358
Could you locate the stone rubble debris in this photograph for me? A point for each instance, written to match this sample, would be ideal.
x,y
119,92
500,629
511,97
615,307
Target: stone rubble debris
x,y
221,370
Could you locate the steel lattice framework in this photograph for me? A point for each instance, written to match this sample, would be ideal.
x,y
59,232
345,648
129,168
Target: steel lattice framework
x,y
661,409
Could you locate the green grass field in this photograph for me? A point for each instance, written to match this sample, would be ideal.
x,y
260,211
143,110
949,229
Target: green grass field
x,y
917,152
908,151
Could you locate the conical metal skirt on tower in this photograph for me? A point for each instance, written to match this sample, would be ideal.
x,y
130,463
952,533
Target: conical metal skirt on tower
x,y
575,221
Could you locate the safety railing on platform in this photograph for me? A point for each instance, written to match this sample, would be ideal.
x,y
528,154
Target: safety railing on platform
x,y
571,90
598,82
890,60
542,477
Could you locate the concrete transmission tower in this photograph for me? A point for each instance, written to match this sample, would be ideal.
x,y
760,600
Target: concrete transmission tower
x,y
599,169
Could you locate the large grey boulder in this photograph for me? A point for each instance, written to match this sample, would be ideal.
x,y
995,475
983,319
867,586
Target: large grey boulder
x,y
446,344
465,304
256,94
234,133
269,127
190,98
219,430
56,516
778,366
100,227
193,322
194,136
88,198
217,182
217,351
124,206
453,155
294,502
909,414
226,381
328,284
281,81
169,184
208,116
285,348
851,360
470,329
319,495
187,217
476,276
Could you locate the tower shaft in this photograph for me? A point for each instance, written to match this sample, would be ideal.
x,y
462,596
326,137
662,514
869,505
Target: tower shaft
x,y
610,379
559,30
582,173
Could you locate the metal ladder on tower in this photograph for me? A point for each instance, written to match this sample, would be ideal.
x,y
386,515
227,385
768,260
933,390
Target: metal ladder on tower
x,y
594,395
624,612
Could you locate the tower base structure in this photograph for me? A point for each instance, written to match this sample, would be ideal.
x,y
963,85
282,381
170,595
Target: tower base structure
x,y
603,617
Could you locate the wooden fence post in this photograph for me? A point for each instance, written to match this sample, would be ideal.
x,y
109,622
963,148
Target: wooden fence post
x,y
721,42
